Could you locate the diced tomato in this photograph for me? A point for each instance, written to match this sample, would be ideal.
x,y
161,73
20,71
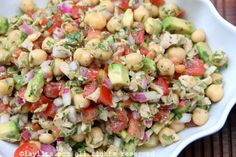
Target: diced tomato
x,y
106,68
55,131
118,121
56,22
138,36
182,103
151,55
180,13
90,88
126,103
161,115
26,107
93,73
157,2
27,149
195,68
89,114
127,50
53,89
143,51
136,128
163,84
3,107
105,95
51,110
36,127
68,28
93,34
124,4
75,12
38,43
43,22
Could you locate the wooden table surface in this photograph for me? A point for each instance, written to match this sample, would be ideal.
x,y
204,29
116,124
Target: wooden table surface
x,y
222,143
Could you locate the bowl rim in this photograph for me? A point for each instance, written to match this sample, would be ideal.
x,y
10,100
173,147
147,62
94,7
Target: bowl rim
x,y
231,103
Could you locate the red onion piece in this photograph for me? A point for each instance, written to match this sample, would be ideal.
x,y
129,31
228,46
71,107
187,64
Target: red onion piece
x,y
20,101
139,97
144,83
148,123
21,93
2,69
27,29
136,115
29,76
66,96
26,135
65,8
83,71
107,82
48,150
58,33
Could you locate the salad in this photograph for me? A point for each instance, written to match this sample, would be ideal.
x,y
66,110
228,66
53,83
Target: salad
x,y
101,78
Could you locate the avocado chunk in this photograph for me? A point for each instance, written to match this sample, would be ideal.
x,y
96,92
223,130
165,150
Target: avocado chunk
x,y
177,25
9,132
118,75
149,65
4,25
156,128
34,87
129,148
204,51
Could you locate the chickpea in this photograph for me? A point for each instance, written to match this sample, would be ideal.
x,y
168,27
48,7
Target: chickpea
x,y
217,78
198,35
56,69
91,2
200,116
154,11
4,56
6,86
95,138
152,142
78,138
46,124
166,67
155,48
92,44
169,9
152,26
46,138
167,136
37,57
114,24
177,53
215,92
80,102
134,61
177,126
47,44
109,5
180,68
83,56
141,14
82,155
102,52
96,20
28,6
113,151
128,18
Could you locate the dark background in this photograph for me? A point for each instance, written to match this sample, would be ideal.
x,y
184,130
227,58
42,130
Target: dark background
x,y
222,143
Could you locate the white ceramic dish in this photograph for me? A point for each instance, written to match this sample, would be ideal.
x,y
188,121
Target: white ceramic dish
x,y
220,35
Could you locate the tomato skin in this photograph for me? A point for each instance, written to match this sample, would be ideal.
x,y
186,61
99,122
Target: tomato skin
x,y
74,12
138,36
50,110
163,84
27,149
93,73
118,121
143,51
136,128
105,95
89,114
161,115
56,22
195,68
3,107
124,4
53,89
89,88
180,13
157,2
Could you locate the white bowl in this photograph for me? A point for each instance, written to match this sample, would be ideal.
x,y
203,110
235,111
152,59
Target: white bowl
x,y
220,35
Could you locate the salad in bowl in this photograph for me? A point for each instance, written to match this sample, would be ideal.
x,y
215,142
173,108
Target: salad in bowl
x,y
102,78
